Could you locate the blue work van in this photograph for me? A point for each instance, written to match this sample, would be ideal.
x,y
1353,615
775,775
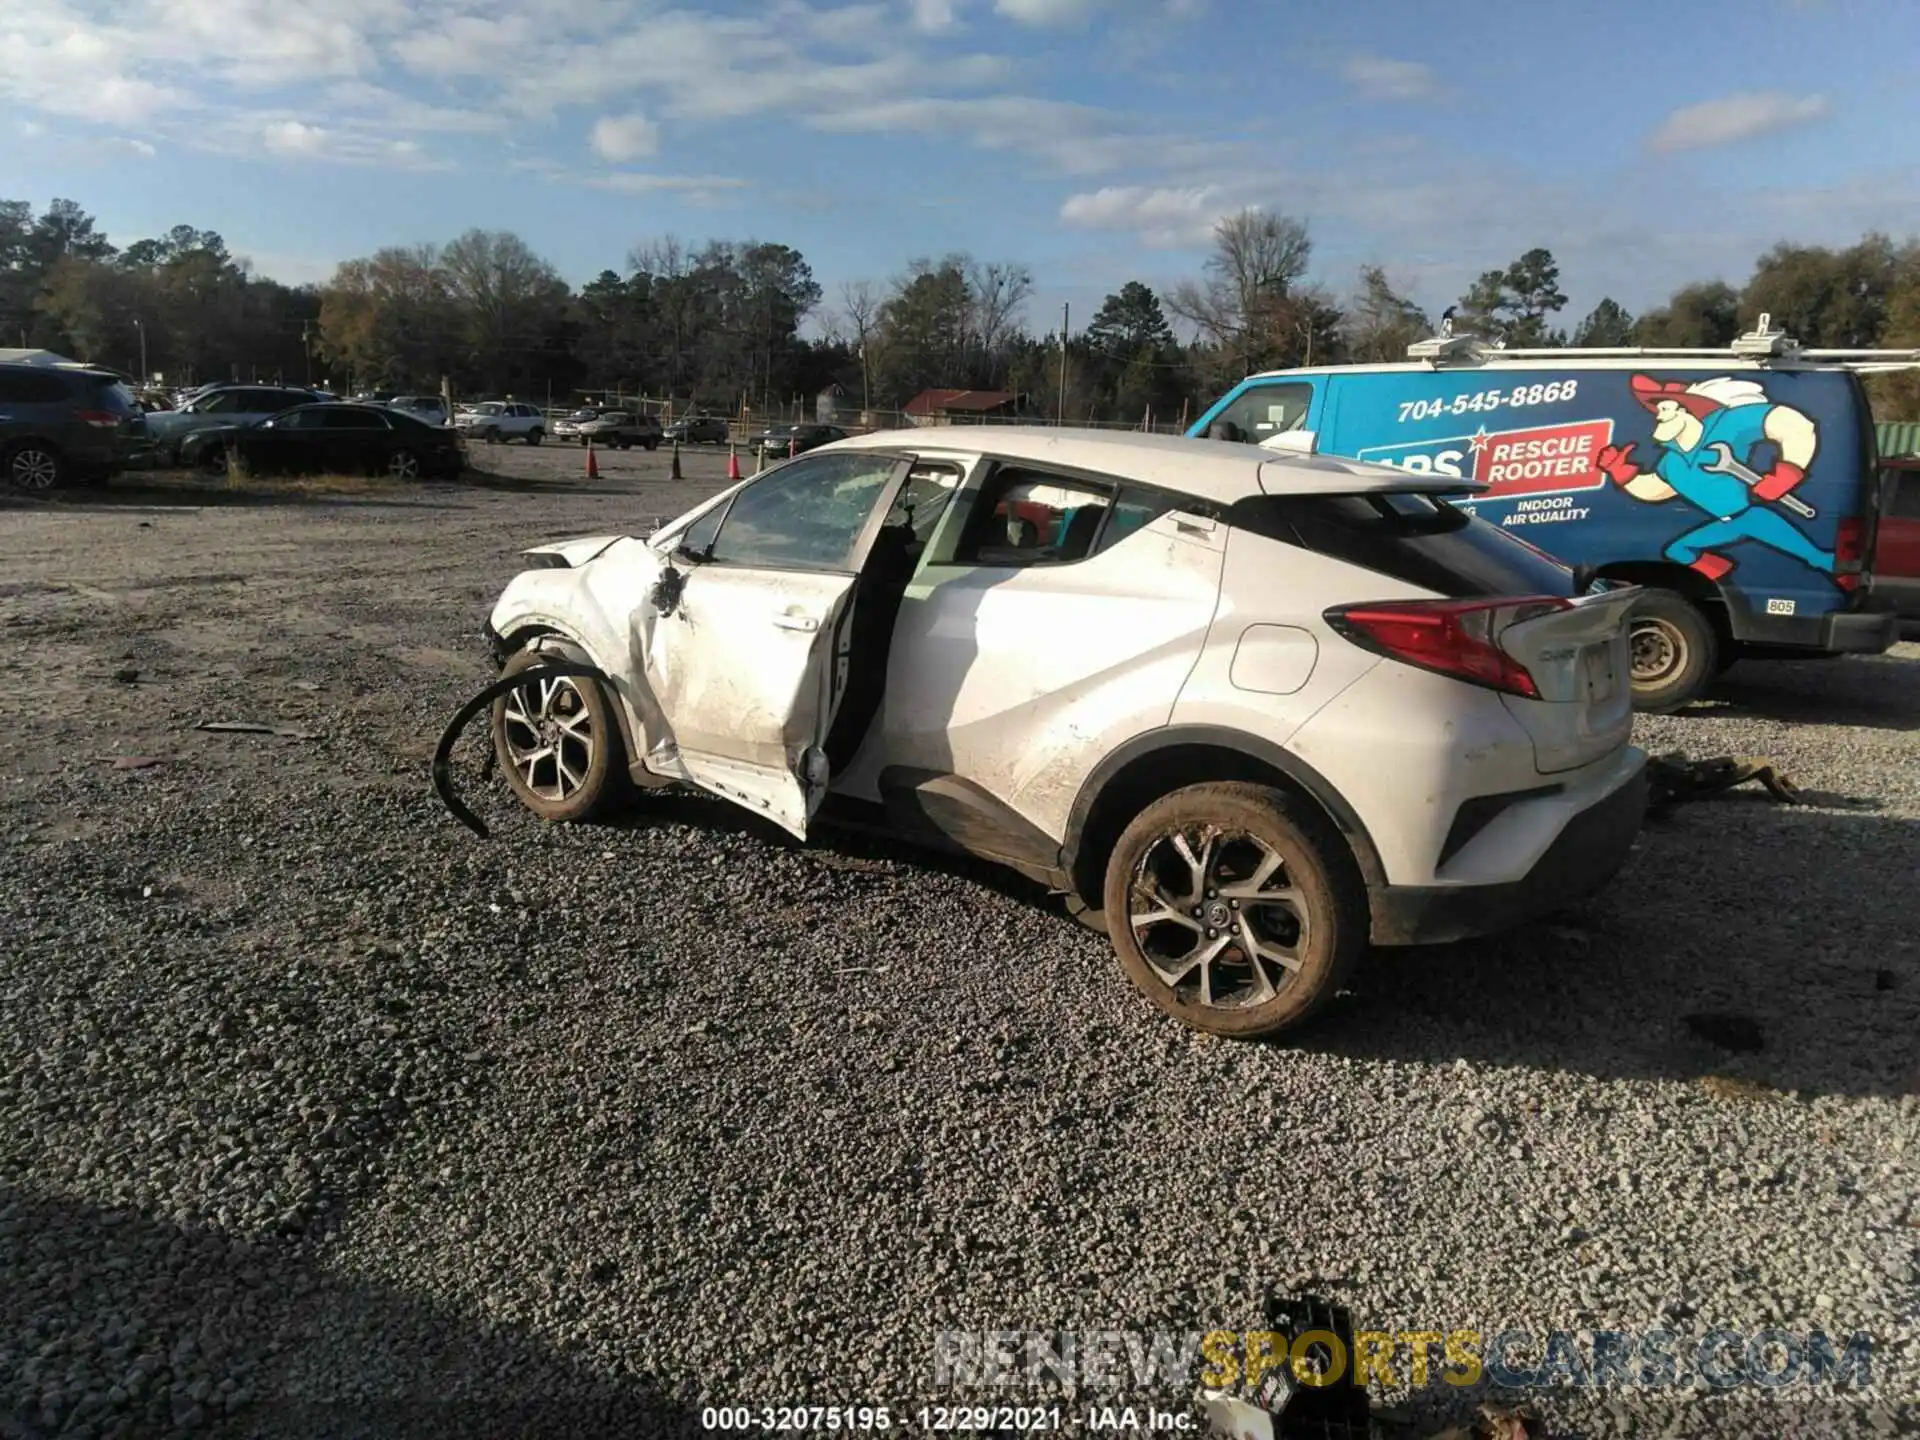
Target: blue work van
x,y
1738,486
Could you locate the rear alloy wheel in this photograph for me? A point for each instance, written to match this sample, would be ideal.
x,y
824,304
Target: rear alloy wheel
x,y
1675,651
557,742
33,466
403,465
1233,908
533,437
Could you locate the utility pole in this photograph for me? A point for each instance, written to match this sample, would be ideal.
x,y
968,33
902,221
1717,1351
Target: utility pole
x,y
1063,362
140,325
306,345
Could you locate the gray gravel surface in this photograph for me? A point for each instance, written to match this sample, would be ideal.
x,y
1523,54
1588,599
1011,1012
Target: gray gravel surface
x,y
321,1117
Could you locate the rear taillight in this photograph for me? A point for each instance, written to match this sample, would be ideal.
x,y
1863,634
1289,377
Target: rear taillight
x,y
1460,638
1850,542
99,419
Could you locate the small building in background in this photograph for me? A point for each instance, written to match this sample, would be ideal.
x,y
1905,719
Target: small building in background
x,y
830,405
965,407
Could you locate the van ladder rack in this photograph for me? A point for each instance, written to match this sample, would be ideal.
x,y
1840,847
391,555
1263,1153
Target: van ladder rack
x,y
1762,344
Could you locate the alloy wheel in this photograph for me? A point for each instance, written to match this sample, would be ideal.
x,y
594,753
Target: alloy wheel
x,y
33,468
402,465
1217,917
549,737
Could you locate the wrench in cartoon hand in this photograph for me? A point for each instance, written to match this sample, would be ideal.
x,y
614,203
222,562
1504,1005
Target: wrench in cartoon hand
x,y
1725,464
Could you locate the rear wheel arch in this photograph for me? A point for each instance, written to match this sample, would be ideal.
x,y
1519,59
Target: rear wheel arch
x,y
1682,580
1157,764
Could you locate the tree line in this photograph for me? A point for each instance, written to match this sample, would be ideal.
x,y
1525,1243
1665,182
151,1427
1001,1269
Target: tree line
x,y
725,323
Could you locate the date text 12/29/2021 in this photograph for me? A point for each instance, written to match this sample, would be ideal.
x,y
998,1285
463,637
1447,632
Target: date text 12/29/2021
x,y
870,1419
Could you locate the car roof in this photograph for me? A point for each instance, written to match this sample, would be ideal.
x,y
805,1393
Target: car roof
x,y
1218,470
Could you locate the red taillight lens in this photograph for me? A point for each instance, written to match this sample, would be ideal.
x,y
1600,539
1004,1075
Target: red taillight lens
x,y
1460,638
1850,541
100,419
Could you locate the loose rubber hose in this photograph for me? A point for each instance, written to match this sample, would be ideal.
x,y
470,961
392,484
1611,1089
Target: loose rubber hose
x,y
506,685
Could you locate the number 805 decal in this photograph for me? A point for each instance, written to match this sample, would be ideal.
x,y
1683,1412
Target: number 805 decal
x,y
1487,401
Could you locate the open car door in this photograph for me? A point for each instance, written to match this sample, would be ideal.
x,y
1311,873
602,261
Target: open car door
x,y
749,664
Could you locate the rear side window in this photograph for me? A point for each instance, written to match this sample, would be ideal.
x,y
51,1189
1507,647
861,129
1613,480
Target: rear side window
x,y
1029,517
31,387
1418,539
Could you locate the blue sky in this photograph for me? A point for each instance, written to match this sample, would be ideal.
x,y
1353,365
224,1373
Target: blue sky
x,y
1645,142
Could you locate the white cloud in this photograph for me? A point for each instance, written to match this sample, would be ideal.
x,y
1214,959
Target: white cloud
x,y
1375,77
294,137
1733,118
931,16
620,138
708,190
1162,218
1046,12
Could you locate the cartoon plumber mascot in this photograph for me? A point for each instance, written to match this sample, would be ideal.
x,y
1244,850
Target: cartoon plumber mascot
x,y
1706,432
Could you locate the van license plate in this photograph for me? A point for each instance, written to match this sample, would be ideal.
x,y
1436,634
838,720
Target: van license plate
x,y
1596,663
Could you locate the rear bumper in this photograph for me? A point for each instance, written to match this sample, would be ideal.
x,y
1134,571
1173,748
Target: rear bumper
x,y
1588,853
1839,632
1899,594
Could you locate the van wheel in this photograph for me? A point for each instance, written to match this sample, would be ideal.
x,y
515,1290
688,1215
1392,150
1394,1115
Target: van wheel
x,y
1233,908
1675,650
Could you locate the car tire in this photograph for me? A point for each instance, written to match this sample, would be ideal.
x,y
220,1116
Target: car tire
x,y
652,445
1234,831
34,466
1675,651
533,437
402,465
537,782
491,436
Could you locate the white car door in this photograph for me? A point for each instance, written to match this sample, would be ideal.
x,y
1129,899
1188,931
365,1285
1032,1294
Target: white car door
x,y
749,664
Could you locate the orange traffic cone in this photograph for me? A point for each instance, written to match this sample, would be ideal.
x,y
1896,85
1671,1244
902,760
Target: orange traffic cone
x,y
593,466
733,463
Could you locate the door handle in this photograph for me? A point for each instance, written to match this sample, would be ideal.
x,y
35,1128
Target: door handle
x,y
796,622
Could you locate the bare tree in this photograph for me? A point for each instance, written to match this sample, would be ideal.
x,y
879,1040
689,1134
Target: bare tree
x,y
860,304
998,292
1242,305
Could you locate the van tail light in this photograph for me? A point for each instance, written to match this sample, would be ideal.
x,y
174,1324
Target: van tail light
x,y
1850,543
99,419
1458,638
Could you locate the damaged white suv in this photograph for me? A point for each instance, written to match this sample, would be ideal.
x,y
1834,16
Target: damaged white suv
x,y
1245,711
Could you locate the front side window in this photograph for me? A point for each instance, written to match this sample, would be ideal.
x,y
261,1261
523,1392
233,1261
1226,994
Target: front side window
x,y
297,420
1261,412
806,515
1027,517
224,402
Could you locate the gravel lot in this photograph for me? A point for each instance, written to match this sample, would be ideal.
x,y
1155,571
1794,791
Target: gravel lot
x,y
322,1117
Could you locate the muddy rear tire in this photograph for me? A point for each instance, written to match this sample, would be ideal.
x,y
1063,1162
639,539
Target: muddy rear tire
x,y
1235,908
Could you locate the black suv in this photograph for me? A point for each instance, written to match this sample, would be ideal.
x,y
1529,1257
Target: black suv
x,y
62,425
